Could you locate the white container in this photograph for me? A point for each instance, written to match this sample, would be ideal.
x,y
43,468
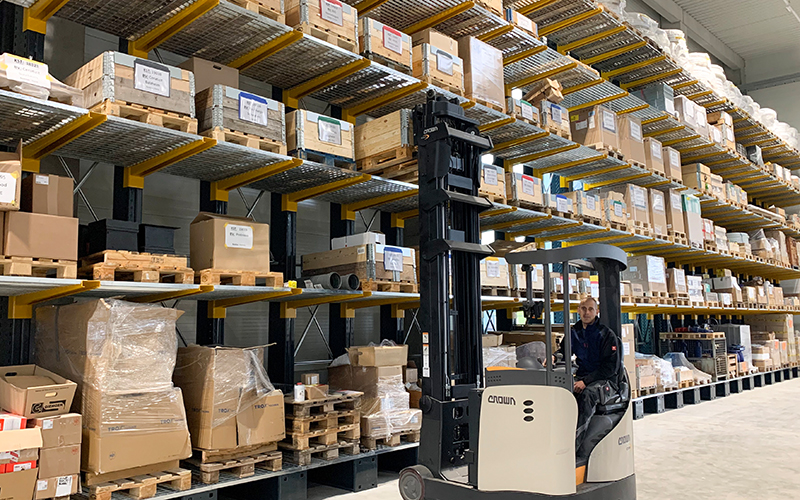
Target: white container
x,y
299,393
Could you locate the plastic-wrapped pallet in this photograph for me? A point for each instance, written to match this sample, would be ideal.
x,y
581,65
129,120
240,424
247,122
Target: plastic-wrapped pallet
x,y
678,360
503,356
29,77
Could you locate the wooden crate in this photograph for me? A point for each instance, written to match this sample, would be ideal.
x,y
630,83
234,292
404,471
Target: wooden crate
x,y
229,109
365,261
309,131
384,44
493,182
273,9
377,137
114,76
521,21
524,190
329,20
435,66
523,110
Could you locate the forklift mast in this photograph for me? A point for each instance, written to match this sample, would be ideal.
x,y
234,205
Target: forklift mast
x,y
450,149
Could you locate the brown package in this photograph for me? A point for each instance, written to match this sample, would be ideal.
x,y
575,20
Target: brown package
x,y
676,280
57,487
654,155
60,430
10,173
60,461
658,212
483,72
32,391
595,126
438,40
223,242
208,74
631,140
674,210
47,194
636,201
40,236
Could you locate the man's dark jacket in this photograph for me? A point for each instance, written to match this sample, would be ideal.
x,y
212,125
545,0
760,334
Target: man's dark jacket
x,y
598,352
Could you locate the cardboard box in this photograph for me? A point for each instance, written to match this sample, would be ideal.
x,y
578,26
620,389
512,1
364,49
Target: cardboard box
x,y
521,21
595,126
60,430
328,16
559,203
672,163
658,212
586,204
483,72
208,73
18,485
434,65
676,280
57,487
491,339
40,236
675,219
708,230
653,155
311,131
32,391
493,181
647,270
686,112
525,188
548,89
12,422
637,203
437,39
319,391
47,194
229,399
232,243
555,118
658,95
518,279
693,221
378,355
631,140
310,378
410,375
523,110
60,461
616,209
359,239
364,379
385,42
628,338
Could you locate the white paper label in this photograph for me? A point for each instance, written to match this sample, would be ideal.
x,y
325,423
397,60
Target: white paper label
x,y
329,130
674,159
717,134
609,121
590,121
393,40
25,70
618,209
41,485
332,11
562,204
527,185
43,180
237,236
729,134
151,77
582,124
63,486
591,202
655,270
253,109
8,187
676,201
525,23
490,176
22,466
655,150
636,131
392,259
658,202
444,63
639,198
47,424
555,114
726,298
492,268
6,455
626,348
526,109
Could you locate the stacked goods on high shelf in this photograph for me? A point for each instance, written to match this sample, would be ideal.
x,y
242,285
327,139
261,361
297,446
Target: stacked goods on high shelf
x,y
379,267
631,140
227,114
559,204
658,214
596,127
118,84
654,156
523,110
122,355
436,61
270,8
320,138
555,119
649,272
231,250
32,78
672,164
524,190
385,45
208,73
377,372
676,223
616,209
385,147
588,205
737,338
493,183
483,73
235,415
521,21
637,205
723,123
494,276
329,20
546,89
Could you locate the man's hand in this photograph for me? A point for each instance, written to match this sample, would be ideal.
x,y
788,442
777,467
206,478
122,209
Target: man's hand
x,y
579,387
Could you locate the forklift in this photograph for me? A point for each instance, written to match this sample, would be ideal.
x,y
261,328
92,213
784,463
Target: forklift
x,y
506,433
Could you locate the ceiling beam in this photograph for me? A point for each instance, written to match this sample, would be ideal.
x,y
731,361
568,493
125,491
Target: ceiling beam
x,y
746,88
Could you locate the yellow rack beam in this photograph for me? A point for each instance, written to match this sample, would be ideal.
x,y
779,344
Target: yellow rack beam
x,y
579,234
496,212
158,35
497,124
491,35
633,67
582,86
615,181
493,305
135,174
700,94
257,55
291,200
681,85
540,76
613,53
439,18
220,189
33,153
605,239
540,4
665,131
363,304
368,5
542,154
520,222
633,109
656,119
533,232
399,219
36,16
349,211
599,101
523,55
292,96
714,103
590,39
330,299
380,101
650,79
21,306
570,164
217,308
571,21
177,294
520,140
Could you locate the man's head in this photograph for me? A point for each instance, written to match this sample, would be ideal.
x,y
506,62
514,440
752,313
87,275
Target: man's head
x,y
588,310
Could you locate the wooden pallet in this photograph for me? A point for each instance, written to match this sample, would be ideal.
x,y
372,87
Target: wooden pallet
x,y
713,304
493,197
324,158
306,440
639,164
146,114
260,8
313,407
680,298
324,452
693,335
710,246
608,150
40,268
329,36
326,421
241,278
432,80
496,291
526,204
389,286
211,456
380,163
142,486
492,105
678,237
640,228
106,272
636,299
647,391
564,215
566,134
588,219
208,472
371,443
243,139
683,384
618,226
131,259
389,63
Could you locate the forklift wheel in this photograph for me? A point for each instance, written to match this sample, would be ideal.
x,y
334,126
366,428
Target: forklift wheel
x,y
411,484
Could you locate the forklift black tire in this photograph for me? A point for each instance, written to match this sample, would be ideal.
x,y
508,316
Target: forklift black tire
x,y
412,482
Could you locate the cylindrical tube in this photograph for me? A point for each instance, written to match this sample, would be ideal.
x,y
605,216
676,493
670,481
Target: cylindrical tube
x,y
331,281
350,282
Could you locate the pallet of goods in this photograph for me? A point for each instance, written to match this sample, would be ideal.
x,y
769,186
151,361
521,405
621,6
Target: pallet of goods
x,y
385,45
524,191
522,110
237,416
273,9
122,85
597,128
493,184
329,20
32,78
483,73
320,138
385,147
123,265
494,277
231,115
555,119
436,61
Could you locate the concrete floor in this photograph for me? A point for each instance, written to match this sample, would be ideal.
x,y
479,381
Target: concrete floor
x,y
746,446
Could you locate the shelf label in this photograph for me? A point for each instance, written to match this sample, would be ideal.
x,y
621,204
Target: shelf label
x,y
636,130
151,77
583,124
639,197
610,121
655,150
43,180
253,109
490,176
63,486
591,202
562,204
626,348
393,40
670,105
8,187
655,270
527,109
525,23
658,201
729,133
555,114
444,63
676,202
527,185
332,11
330,130
237,236
392,259
492,268
41,485
674,159
25,70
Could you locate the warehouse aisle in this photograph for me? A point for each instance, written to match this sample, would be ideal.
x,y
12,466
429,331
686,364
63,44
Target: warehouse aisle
x,y
736,448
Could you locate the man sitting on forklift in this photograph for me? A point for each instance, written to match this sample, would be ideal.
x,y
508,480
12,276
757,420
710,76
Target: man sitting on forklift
x,y
599,360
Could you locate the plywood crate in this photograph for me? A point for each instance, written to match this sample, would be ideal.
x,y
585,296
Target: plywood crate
x,y
493,181
309,131
222,108
384,44
329,20
521,21
273,9
382,135
125,79
371,262
523,110
434,65
524,189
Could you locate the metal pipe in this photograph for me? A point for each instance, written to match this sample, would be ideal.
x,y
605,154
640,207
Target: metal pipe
x,y
331,281
350,282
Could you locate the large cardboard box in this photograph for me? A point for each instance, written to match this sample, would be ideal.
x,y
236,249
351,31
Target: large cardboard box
x,y
438,66
385,42
523,110
208,73
358,239
32,391
60,430
368,262
493,181
658,212
672,163
654,155
47,194
525,188
693,221
676,280
586,204
483,72
60,461
675,221
10,174
437,39
628,338
229,399
637,203
366,379
494,272
57,487
522,21
309,131
595,126
615,207
19,485
378,355
555,118
647,270
230,243
40,236
631,139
